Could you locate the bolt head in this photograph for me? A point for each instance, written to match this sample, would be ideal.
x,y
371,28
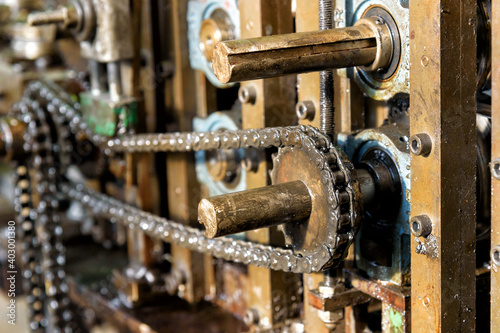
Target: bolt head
x,y
251,317
305,110
421,226
247,94
495,168
421,144
495,255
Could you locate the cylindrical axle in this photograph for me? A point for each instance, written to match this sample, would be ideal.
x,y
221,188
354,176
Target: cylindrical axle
x,y
254,209
278,204
368,43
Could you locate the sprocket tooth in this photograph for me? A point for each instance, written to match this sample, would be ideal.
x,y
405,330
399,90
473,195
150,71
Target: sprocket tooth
x,y
308,162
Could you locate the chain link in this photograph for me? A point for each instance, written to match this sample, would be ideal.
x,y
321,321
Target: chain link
x,y
43,254
49,146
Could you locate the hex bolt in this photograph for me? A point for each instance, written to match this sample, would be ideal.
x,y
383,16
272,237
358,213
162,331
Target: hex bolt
x,y
421,144
495,168
421,226
495,255
247,94
305,110
251,317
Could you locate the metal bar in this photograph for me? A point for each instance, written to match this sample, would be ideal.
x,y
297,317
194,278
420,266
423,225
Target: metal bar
x,y
114,80
97,84
274,103
254,209
495,154
397,297
302,52
307,19
443,84
338,301
183,189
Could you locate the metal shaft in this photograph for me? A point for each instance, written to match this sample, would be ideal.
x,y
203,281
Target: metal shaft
x,y
114,80
271,56
97,77
254,209
272,205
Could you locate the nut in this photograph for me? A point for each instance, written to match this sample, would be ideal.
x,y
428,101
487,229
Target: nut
x,y
421,144
251,317
305,110
247,94
495,255
421,226
495,168
331,318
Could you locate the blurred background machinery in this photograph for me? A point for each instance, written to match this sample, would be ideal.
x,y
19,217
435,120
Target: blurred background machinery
x,y
250,165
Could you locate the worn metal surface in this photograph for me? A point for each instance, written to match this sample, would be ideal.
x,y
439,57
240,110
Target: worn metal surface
x,y
113,36
172,315
254,209
270,56
495,182
347,12
270,291
443,84
383,244
210,21
332,198
338,301
395,296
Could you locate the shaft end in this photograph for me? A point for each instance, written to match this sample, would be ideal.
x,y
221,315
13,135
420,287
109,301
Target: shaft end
x,y
221,66
208,217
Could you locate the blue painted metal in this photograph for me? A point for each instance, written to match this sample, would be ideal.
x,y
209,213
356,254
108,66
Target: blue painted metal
x,y
199,10
394,141
217,121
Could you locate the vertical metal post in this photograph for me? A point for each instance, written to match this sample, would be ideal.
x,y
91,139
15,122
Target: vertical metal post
x,y
443,80
273,106
97,77
183,189
495,153
114,80
307,19
326,106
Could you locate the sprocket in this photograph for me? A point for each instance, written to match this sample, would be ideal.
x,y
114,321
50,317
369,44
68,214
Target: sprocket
x,y
335,193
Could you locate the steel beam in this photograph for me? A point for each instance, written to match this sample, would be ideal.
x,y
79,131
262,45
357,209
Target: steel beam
x,y
270,291
443,83
495,153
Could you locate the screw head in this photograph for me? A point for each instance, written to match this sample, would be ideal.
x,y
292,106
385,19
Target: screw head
x,y
421,226
247,94
305,110
495,168
495,255
421,144
251,317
